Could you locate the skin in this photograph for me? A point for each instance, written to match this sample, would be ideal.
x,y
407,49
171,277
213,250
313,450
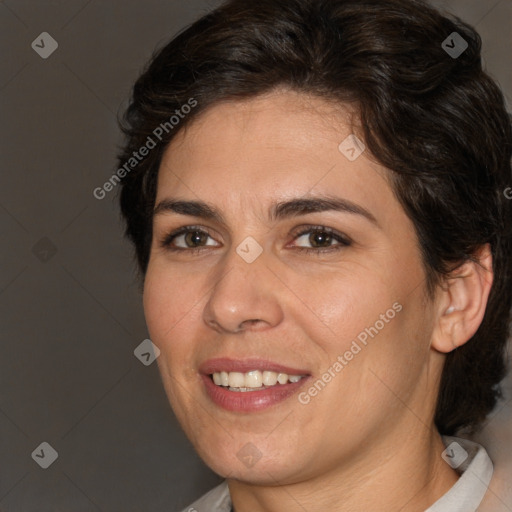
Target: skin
x,y
367,441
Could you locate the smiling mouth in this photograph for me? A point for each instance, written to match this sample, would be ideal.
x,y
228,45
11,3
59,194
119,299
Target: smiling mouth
x,y
254,380
250,385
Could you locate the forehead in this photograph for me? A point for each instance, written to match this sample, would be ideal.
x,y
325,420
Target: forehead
x,y
272,147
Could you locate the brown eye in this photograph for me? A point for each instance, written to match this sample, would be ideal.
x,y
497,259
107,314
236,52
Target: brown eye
x,y
194,237
187,238
321,239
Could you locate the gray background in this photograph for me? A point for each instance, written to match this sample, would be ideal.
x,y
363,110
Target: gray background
x,y
70,303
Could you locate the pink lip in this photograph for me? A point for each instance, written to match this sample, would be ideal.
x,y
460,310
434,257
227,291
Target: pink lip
x,y
250,401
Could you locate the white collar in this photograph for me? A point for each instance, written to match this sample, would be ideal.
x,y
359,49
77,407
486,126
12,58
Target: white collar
x,y
469,490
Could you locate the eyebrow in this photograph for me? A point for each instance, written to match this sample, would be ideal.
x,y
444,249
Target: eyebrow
x,y
278,210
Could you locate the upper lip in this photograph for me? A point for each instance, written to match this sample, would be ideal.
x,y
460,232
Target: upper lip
x,y
224,364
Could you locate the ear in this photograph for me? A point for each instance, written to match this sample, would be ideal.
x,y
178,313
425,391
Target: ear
x,y
462,302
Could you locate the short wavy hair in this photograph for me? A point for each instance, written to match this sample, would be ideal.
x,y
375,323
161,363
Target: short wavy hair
x,y
436,121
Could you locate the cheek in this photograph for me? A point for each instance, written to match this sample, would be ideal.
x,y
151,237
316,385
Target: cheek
x,y
169,311
342,306
158,308
173,308
168,303
376,325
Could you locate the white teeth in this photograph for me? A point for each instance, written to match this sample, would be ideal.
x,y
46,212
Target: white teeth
x,y
269,378
236,380
282,378
252,380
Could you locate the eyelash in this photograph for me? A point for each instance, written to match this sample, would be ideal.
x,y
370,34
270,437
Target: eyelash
x,y
343,240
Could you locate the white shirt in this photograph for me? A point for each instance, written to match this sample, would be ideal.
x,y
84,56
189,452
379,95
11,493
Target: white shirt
x,y
465,496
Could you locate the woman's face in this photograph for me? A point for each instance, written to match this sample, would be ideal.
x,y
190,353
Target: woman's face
x,y
349,315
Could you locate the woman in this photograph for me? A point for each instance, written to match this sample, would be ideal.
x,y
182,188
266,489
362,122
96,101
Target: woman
x,y
318,214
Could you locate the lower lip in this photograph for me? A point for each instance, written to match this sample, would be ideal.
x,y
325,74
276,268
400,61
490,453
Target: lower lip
x,y
250,401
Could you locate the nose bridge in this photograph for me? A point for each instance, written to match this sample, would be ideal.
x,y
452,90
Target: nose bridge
x,y
243,293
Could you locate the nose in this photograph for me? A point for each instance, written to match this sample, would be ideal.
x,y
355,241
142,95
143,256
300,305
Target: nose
x,y
246,296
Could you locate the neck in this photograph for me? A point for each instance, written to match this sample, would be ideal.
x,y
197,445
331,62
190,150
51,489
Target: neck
x,y
405,474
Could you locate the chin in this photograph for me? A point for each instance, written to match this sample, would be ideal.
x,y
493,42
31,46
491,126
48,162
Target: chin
x,y
262,473
257,462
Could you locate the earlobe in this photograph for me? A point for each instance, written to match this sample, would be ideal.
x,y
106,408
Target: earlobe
x,y
463,301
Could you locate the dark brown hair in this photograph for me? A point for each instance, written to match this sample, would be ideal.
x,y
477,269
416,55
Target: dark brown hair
x,y
437,121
